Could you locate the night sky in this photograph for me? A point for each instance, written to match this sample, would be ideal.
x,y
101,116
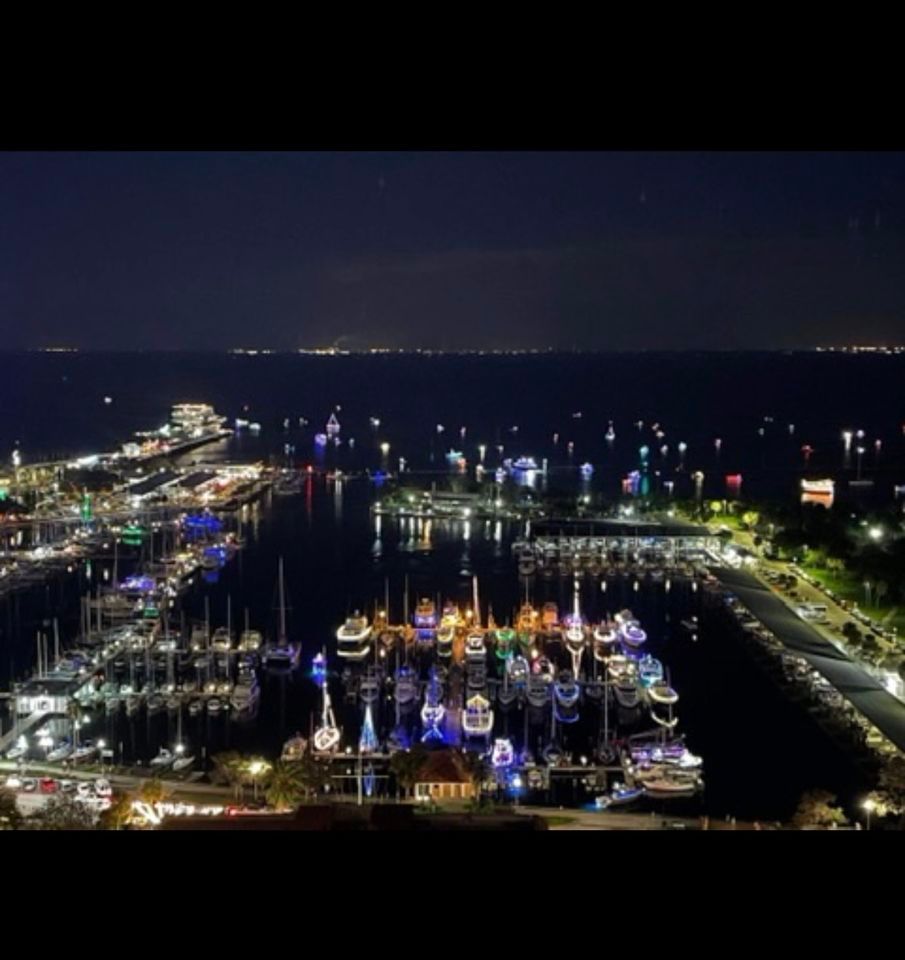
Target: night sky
x,y
451,250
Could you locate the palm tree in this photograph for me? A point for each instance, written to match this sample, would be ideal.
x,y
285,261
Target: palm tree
x,y
152,791
284,788
478,769
229,768
406,764
313,774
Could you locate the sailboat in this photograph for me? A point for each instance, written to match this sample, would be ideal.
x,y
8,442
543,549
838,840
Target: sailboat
x,y
282,655
367,742
327,735
433,711
477,720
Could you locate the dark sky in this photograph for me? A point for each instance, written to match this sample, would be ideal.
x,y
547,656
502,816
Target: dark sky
x,y
451,250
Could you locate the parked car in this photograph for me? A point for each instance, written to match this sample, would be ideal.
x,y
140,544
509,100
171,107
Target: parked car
x,y
48,785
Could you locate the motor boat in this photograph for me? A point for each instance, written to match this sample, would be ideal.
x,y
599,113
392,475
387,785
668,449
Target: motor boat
x,y
664,787
446,635
433,711
245,695
524,465
605,639
502,753
165,758
504,638
527,564
196,706
477,718
626,693
517,670
85,752
476,675
214,706
620,795
221,641
537,691
156,703
474,647
426,615
650,670
250,641
550,619
565,697
594,690
542,667
132,705
352,638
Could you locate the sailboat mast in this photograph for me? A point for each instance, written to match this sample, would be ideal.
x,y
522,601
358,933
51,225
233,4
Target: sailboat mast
x,y
282,607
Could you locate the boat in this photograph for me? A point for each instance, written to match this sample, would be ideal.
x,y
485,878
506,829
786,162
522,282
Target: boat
x,y
196,706
650,670
502,754
249,641
132,704
565,697
165,758
221,641
665,786
633,637
605,639
214,705
294,749
352,638
477,718
537,690
406,686
662,692
476,675
327,735
575,640
85,752
527,564
506,694
550,619
369,687
505,638
288,484
626,693
183,763
245,695
524,465
474,646
433,711
517,670
332,428
619,796
156,703
542,667
446,634
426,615
282,655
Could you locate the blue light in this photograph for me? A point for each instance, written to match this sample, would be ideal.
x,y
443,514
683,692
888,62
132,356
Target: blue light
x,y
319,669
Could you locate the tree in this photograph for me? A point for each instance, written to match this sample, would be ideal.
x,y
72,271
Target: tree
x,y
881,590
62,812
229,769
478,769
152,791
118,814
10,816
284,788
817,809
406,765
891,784
313,774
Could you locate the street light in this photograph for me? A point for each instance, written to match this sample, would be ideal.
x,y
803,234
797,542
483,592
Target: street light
x,y
869,805
256,768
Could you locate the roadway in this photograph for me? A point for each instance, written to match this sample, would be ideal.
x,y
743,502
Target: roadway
x,y
857,686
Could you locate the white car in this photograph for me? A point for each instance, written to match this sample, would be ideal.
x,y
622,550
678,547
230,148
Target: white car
x,y
102,788
16,753
13,782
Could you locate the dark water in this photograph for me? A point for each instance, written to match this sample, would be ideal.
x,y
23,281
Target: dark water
x,y
760,752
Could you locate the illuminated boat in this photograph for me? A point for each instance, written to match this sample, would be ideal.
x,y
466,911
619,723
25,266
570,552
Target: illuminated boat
x,y
352,638
505,638
245,694
165,758
249,641
661,692
825,488
369,687
542,667
406,687
537,690
477,719
664,786
650,670
526,625
518,671
476,674
619,796
626,693
524,465
550,619
526,564
327,735
426,616
294,749
446,634
367,741
332,428
587,470
433,711
502,754
221,640
668,723
633,638
575,640
475,648
565,697
605,639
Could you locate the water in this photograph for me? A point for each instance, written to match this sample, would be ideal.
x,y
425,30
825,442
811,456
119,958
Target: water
x,y
760,752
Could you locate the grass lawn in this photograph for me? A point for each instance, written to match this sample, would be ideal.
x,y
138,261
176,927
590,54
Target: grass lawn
x,y
848,586
559,821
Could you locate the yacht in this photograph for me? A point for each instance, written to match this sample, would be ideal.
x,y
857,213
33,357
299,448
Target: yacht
x,y
666,785
352,638
626,693
537,690
433,711
476,675
196,707
619,796
214,705
661,692
477,718
527,565
332,428
650,670
550,619
446,635
524,465
62,752
221,640
605,639
505,640
502,754
517,670
184,762
327,736
526,626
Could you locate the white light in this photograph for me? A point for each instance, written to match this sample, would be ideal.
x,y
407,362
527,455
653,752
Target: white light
x,y
384,448
875,533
